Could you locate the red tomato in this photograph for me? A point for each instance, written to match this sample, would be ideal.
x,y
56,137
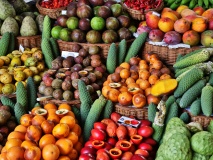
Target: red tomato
x,y
150,141
142,152
100,125
145,122
98,134
112,141
145,131
115,116
145,146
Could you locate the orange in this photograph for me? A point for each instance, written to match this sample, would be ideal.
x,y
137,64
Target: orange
x,y
144,84
51,111
143,66
76,129
3,156
78,146
32,153
123,89
139,100
144,74
47,126
54,118
34,133
64,145
125,98
125,73
34,109
26,120
133,85
3,150
73,155
15,152
21,128
16,134
46,139
134,75
64,106
106,83
50,106
153,79
37,120
50,152
61,130
70,113
157,64
63,158
165,76
148,91
68,120
27,144
105,90
129,80
113,95
73,137
125,65
12,142
138,81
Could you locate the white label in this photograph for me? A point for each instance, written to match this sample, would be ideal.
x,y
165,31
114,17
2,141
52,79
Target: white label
x,y
156,13
21,48
64,12
65,54
118,1
135,34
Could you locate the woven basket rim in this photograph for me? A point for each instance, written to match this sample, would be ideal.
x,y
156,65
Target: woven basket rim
x,y
131,108
48,9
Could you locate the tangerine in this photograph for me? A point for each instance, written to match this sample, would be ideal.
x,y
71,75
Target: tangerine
x,y
105,90
125,73
47,126
64,106
26,120
125,65
15,152
73,137
69,120
125,98
113,95
12,142
63,158
50,106
27,144
76,129
153,79
144,74
61,130
34,133
139,100
64,145
37,120
50,152
16,134
165,76
32,153
134,75
144,84
21,128
46,139
123,89
3,156
130,80
73,155
54,118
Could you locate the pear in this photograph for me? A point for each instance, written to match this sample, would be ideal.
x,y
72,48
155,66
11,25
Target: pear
x,y
28,27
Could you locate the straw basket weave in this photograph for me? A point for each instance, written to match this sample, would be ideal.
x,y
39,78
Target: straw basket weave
x,y
166,54
203,120
139,113
29,42
139,15
68,46
52,13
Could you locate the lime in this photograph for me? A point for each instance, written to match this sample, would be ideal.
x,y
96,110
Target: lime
x,y
65,34
72,23
97,23
56,31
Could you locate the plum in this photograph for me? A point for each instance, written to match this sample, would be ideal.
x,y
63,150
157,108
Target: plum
x,y
172,37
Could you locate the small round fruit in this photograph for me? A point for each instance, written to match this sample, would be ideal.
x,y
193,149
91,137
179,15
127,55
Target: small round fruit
x,y
97,23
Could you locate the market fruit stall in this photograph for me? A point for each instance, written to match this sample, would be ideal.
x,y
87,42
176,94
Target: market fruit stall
x,y
103,80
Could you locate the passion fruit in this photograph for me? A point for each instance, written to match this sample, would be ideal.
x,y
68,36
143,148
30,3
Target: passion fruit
x,y
83,73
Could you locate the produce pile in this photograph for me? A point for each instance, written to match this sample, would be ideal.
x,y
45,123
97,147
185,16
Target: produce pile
x,y
94,22
183,25
19,20
54,3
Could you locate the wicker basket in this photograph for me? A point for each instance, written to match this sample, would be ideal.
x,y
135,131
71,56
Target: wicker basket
x,y
138,15
139,113
68,46
167,55
52,13
58,102
29,42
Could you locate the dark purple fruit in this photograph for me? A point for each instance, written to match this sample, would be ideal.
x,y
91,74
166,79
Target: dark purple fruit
x,y
109,36
104,12
84,11
84,24
109,3
61,20
74,75
93,37
72,9
82,2
83,52
86,80
78,60
112,23
124,33
124,20
96,2
78,35
76,68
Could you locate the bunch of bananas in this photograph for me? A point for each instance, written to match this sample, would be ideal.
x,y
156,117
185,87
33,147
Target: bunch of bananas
x,y
174,4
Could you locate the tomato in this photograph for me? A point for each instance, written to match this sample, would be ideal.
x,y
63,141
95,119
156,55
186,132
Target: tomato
x,y
102,156
98,134
150,141
145,131
100,125
142,152
86,157
107,146
111,141
88,150
145,122
145,146
137,157
88,143
115,116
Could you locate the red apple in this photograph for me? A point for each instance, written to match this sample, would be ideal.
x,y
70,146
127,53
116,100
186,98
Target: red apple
x,y
199,10
210,26
142,152
152,19
156,35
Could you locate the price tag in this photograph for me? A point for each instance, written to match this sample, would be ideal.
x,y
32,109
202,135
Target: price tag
x,y
65,54
21,48
156,13
135,34
64,12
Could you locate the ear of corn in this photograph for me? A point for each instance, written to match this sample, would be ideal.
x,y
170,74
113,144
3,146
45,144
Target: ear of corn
x,y
192,93
136,46
198,57
187,81
207,100
111,61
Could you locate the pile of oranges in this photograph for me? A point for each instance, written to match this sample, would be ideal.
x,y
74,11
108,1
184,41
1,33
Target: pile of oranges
x,y
131,82
45,134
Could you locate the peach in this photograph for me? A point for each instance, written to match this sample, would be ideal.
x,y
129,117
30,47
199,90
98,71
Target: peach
x,y
191,38
182,25
199,24
207,38
170,14
166,24
199,10
187,12
165,10
156,35
208,13
142,23
152,19
181,8
190,18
